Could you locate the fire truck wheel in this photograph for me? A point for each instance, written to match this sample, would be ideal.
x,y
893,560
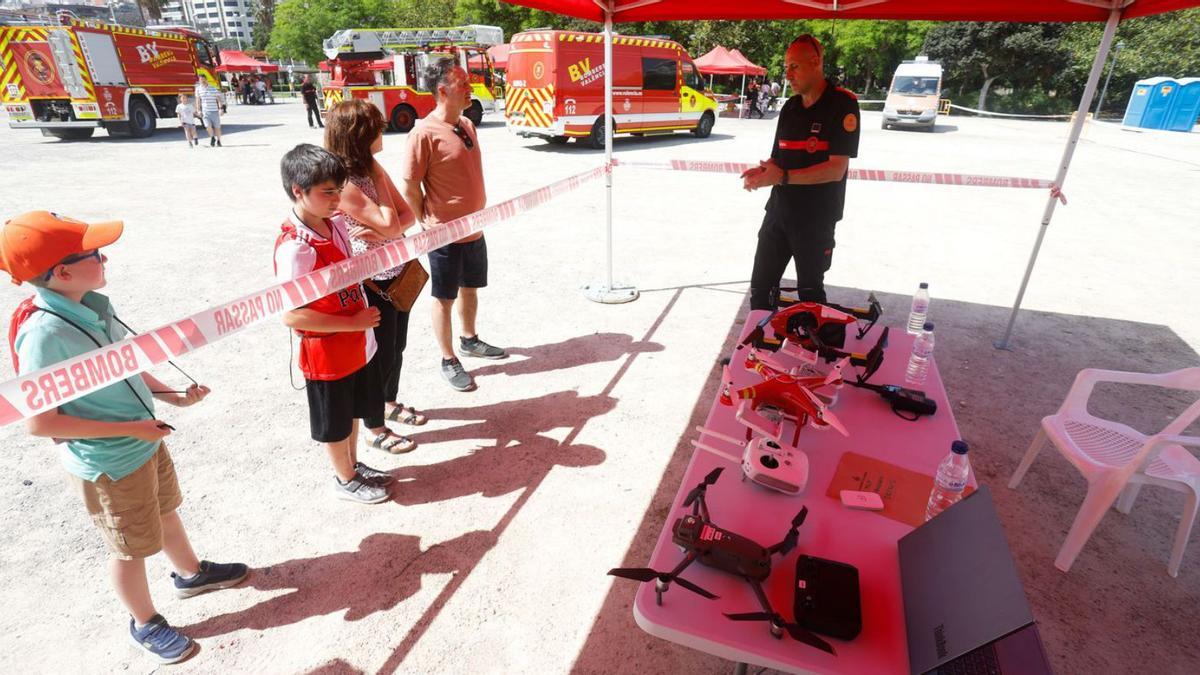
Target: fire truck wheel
x,y
141,119
704,126
403,118
69,134
474,113
595,140
557,140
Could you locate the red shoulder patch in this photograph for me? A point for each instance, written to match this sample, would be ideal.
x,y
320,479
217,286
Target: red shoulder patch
x,y
847,92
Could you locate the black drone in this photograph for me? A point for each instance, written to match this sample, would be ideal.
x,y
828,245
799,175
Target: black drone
x,y
701,540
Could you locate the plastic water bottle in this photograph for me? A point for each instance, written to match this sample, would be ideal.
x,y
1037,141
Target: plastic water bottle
x,y
950,481
922,351
920,309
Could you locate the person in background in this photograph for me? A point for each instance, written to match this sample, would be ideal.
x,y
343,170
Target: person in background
x,y
186,112
308,91
211,101
375,216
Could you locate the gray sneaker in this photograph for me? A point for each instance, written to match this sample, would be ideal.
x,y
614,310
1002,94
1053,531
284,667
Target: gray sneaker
x,y
457,376
359,490
480,349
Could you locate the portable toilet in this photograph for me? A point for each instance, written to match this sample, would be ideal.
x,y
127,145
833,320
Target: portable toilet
x,y
1149,102
1185,105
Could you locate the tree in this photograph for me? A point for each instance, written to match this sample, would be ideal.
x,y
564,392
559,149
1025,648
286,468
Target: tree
x,y
980,53
263,12
302,25
1166,44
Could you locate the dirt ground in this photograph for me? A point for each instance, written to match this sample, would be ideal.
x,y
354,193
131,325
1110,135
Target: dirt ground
x,y
521,496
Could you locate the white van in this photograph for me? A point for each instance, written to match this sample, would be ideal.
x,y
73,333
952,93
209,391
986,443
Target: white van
x,y
913,97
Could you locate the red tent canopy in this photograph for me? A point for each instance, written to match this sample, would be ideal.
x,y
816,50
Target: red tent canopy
x,y
721,61
233,61
499,54
940,10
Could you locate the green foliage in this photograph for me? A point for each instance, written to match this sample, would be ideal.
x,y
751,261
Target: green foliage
x,y
1167,44
1042,67
263,12
301,25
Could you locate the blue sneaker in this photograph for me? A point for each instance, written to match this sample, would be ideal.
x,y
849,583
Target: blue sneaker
x,y
212,576
162,642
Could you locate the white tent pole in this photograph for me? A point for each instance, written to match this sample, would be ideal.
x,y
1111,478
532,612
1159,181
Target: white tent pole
x,y
607,291
1085,102
610,123
744,93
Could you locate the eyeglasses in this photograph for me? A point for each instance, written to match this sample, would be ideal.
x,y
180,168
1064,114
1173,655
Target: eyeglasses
x,y
72,259
462,133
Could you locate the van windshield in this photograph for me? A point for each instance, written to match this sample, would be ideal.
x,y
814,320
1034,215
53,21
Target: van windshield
x,y
910,85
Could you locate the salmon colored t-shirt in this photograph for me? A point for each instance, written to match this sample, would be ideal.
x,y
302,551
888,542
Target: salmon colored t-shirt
x,y
450,173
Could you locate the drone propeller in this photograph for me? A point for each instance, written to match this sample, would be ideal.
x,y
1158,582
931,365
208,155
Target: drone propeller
x,y
835,375
644,574
823,414
798,633
789,540
699,489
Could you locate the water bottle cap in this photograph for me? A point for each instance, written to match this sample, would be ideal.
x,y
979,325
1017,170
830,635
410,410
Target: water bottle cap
x,y
924,285
928,325
959,447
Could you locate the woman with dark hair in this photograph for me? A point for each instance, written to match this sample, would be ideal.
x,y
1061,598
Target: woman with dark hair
x,y
375,215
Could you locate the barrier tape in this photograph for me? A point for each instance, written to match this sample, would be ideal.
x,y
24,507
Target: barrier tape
x,y
853,174
36,392
1000,114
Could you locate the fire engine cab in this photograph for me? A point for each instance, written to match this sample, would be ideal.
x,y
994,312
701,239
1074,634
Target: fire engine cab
x,y
70,78
384,66
556,87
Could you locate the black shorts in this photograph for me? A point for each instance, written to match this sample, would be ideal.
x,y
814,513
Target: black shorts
x,y
456,266
333,405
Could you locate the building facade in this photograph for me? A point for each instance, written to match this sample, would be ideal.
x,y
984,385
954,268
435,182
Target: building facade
x,y
231,19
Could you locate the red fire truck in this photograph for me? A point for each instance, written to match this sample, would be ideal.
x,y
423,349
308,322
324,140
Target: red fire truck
x,y
384,66
70,78
556,87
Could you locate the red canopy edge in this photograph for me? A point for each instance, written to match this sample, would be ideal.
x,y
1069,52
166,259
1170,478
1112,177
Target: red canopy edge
x,y
932,10
721,61
233,61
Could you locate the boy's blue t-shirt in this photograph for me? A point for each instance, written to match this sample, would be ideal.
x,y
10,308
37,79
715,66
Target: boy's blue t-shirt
x,y
44,339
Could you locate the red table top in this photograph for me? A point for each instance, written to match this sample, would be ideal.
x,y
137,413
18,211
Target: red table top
x,y
863,539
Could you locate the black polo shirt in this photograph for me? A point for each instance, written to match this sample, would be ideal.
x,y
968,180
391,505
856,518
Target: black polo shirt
x,y
808,136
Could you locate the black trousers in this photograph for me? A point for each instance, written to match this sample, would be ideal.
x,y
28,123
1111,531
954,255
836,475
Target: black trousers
x,y
392,337
313,111
808,243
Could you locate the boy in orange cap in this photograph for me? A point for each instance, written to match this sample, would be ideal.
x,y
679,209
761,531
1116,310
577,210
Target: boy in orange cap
x,y
113,449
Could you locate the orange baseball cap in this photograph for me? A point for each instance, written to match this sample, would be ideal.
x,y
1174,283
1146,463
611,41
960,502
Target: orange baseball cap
x,y
33,242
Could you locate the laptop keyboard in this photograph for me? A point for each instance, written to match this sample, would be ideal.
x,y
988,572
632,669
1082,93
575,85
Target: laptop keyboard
x,y
982,661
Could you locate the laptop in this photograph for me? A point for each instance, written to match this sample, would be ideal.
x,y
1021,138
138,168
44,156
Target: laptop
x,y
964,608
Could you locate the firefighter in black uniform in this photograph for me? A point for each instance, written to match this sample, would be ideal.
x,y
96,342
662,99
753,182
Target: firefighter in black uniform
x,y
816,135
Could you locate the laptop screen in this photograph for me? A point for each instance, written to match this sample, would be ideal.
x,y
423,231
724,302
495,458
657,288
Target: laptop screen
x,y
961,589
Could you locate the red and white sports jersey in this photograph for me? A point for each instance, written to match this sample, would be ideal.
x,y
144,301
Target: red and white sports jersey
x,y
298,251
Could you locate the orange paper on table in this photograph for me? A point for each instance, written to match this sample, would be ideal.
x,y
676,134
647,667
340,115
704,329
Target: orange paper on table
x,y
905,492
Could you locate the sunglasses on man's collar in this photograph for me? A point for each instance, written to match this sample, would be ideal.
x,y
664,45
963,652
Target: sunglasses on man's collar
x,y
462,133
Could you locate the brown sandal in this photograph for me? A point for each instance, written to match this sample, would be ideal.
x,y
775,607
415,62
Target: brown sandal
x,y
390,441
406,415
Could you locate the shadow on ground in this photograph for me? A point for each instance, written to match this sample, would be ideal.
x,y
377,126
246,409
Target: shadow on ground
x,y
1116,611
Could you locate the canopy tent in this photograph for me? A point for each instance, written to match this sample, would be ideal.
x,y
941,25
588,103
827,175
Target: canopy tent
x,y
721,61
233,61
1109,11
499,54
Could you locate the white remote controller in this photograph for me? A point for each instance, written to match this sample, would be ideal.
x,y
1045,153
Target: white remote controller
x,y
869,501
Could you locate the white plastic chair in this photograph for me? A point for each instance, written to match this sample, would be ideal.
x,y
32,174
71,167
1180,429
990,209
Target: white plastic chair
x,y
1117,460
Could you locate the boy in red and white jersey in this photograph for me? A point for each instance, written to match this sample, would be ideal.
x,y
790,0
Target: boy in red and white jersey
x,y
337,340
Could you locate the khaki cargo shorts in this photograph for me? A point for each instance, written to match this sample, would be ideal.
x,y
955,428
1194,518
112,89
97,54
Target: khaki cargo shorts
x,y
129,511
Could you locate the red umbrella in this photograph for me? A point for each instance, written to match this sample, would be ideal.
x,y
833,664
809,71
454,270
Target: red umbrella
x,y
233,61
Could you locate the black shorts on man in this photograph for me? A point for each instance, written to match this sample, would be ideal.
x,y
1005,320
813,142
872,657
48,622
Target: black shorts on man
x,y
455,266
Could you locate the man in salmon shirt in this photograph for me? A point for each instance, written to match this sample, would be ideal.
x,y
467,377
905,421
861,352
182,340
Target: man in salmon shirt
x,y
443,180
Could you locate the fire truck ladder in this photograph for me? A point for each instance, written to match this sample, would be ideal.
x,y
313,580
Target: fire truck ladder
x,y
378,42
